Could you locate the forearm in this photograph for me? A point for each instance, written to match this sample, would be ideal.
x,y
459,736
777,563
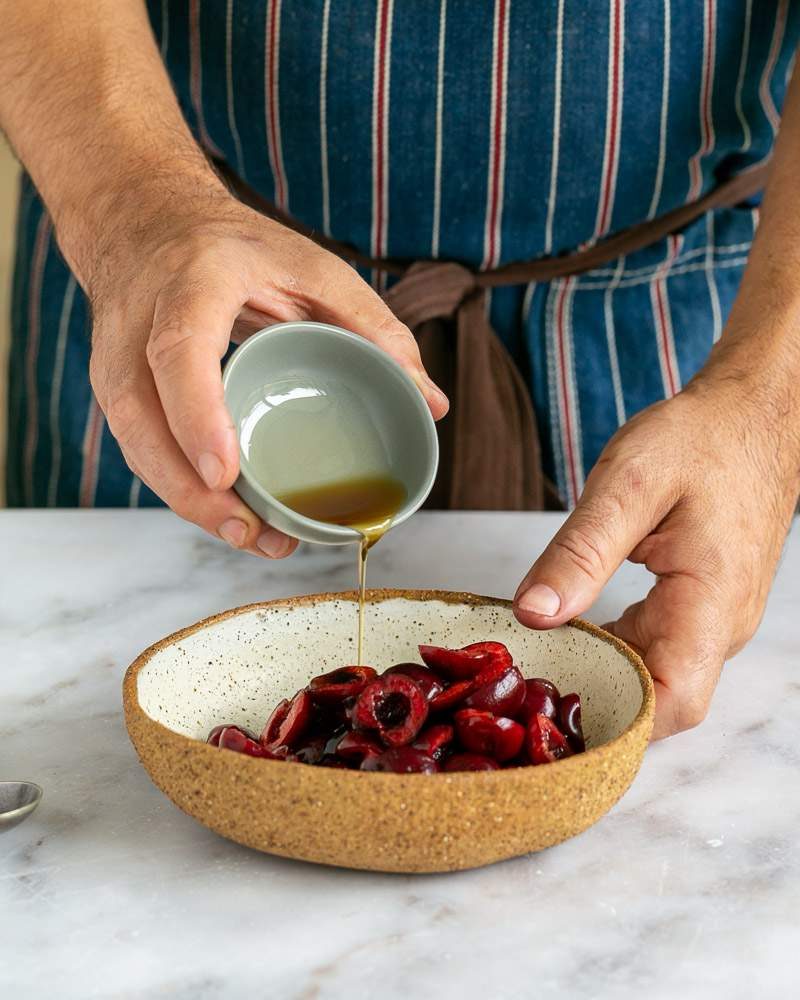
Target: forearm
x,y
761,341
87,104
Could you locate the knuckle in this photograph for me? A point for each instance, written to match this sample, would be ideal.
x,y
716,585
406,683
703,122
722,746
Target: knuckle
x,y
167,341
580,546
633,479
389,328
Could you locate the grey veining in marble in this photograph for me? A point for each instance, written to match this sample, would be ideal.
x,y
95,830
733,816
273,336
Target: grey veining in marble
x,y
689,888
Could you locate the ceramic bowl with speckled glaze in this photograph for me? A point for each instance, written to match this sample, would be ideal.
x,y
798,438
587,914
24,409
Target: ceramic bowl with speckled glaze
x,y
236,666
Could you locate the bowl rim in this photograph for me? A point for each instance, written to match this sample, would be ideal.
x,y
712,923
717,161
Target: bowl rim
x,y
633,732
18,812
341,533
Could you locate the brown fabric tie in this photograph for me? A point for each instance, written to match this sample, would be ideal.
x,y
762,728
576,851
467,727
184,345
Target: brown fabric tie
x,y
490,456
490,451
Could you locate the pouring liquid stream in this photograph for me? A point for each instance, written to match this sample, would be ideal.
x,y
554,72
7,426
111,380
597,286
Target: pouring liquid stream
x,y
368,504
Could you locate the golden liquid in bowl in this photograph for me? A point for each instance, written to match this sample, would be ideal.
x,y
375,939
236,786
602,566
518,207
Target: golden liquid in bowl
x,y
367,504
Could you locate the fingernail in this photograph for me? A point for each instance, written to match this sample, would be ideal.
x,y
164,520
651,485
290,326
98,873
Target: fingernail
x,y
233,531
274,545
540,600
211,469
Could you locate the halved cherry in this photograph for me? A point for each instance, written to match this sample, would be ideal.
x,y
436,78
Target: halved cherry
x,y
485,733
569,716
431,685
401,760
346,682
544,741
459,664
394,706
451,696
541,698
213,736
355,747
329,718
238,739
288,722
502,694
471,762
434,740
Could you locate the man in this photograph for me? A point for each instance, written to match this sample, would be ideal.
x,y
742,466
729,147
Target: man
x,y
664,382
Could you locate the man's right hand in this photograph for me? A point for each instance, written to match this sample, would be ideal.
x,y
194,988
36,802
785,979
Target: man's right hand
x,y
166,305
171,262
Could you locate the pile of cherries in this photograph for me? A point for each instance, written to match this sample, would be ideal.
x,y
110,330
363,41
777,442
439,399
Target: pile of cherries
x,y
466,709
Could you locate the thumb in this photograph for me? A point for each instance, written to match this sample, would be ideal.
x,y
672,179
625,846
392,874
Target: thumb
x,y
592,543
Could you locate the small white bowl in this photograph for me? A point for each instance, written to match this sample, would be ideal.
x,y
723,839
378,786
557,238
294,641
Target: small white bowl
x,y
343,381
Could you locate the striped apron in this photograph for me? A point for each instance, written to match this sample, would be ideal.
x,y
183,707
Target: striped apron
x,y
479,132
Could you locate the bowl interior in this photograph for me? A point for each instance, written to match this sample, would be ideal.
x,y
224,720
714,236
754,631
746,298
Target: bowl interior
x,y
236,667
315,404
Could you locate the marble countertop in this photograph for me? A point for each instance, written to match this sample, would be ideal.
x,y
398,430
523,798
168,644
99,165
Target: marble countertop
x,y
689,888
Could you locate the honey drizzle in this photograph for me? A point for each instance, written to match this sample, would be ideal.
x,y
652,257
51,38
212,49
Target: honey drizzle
x,y
368,505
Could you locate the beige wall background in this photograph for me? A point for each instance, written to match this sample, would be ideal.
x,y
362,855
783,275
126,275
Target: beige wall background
x,y
9,171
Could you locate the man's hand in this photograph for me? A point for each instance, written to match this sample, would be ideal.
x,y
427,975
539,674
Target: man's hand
x,y
701,489
172,264
165,306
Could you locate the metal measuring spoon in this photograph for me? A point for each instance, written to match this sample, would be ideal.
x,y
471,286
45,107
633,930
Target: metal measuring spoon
x,y
18,799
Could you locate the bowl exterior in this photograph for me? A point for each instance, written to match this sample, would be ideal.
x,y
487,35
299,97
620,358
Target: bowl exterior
x,y
388,822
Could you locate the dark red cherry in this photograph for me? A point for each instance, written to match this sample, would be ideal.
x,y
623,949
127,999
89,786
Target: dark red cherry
x,y
434,740
427,679
544,741
493,735
461,664
346,682
329,718
235,738
401,760
355,746
541,698
569,717
502,695
394,706
471,762
288,722
213,736
451,696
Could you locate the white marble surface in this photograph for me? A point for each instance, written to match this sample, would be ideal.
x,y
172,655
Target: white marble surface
x,y
689,888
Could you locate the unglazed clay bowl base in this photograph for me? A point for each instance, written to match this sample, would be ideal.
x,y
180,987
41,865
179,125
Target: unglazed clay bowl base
x,y
236,666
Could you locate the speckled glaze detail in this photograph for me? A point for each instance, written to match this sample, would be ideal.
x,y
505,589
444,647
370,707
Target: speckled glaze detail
x,y
234,666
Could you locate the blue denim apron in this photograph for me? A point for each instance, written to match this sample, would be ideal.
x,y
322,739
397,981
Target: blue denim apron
x,y
481,132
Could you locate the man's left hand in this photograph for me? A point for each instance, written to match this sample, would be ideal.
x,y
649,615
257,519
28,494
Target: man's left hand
x,y
700,489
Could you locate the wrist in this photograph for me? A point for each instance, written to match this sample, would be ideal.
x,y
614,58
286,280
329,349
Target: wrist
x,y
752,402
118,211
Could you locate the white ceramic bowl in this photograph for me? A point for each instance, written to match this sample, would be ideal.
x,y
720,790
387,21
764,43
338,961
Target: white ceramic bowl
x,y
361,416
